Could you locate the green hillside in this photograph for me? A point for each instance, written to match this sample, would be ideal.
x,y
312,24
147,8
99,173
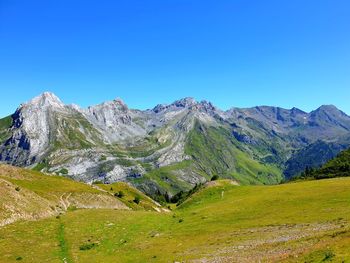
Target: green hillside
x,y
5,124
31,195
336,167
312,156
130,196
216,152
295,222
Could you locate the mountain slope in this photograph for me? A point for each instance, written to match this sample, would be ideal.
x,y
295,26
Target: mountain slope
x,y
312,156
168,148
336,167
217,152
31,195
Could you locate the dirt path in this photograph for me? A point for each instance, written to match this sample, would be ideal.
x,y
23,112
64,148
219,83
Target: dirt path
x,y
100,189
64,201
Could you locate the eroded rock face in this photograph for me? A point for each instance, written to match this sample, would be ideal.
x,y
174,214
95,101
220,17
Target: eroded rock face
x,y
115,121
33,123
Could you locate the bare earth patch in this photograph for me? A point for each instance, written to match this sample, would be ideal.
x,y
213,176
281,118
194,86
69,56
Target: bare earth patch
x,y
270,243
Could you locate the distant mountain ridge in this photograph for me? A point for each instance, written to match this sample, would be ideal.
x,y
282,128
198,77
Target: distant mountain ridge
x,y
171,147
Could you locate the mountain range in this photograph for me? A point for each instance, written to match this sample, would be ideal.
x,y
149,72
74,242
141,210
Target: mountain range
x,y
171,147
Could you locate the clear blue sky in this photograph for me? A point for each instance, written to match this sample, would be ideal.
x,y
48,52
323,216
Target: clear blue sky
x,y
233,53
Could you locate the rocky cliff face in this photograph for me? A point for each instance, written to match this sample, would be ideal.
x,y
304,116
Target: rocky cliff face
x,y
115,121
33,123
157,149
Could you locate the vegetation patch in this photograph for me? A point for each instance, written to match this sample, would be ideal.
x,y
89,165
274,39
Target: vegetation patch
x,y
336,167
120,194
64,254
5,124
137,199
127,195
328,256
63,171
41,166
88,246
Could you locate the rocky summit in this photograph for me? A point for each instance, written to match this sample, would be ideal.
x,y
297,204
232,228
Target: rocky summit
x,y
170,148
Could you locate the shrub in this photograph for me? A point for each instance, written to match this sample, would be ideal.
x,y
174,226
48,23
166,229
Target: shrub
x,y
87,246
176,198
62,171
17,188
328,255
120,194
214,178
137,199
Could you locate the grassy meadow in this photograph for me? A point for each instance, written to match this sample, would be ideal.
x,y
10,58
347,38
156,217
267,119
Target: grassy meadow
x,y
296,222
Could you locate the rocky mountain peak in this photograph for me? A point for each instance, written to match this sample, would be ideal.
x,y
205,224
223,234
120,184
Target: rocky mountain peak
x,y
119,101
46,99
207,105
295,110
328,110
185,102
115,105
160,107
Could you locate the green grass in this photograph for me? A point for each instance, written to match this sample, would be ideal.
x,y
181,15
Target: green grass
x,y
295,222
5,124
167,179
64,254
41,166
32,241
129,194
44,185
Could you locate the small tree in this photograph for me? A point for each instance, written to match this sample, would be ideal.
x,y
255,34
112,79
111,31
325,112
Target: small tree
x,y
137,199
215,177
120,194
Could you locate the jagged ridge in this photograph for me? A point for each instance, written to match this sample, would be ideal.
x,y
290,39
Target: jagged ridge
x,y
168,148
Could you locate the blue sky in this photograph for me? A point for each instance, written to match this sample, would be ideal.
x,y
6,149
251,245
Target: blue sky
x,y
233,53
